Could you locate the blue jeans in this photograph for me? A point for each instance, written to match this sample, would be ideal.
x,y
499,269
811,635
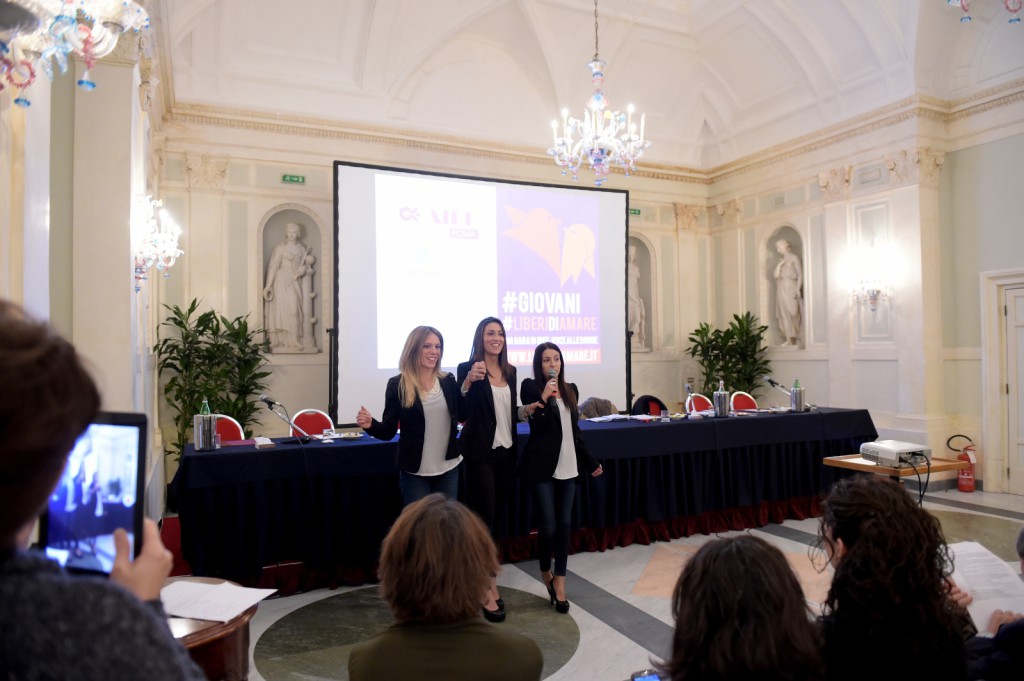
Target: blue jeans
x,y
554,522
415,487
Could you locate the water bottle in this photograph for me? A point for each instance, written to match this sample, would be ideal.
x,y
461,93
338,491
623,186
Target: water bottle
x,y
796,396
204,429
721,400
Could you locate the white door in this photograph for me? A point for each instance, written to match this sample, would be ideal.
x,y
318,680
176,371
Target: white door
x,y
1013,300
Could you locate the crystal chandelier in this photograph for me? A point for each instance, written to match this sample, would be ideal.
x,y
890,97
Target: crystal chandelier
x,y
157,234
603,138
1012,6
36,34
871,291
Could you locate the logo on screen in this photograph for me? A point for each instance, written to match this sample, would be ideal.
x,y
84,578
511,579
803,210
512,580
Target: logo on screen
x,y
455,218
567,257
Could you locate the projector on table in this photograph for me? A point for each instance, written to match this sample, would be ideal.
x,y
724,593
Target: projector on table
x,y
895,453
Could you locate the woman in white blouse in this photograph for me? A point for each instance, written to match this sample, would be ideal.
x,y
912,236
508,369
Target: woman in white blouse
x,y
425,400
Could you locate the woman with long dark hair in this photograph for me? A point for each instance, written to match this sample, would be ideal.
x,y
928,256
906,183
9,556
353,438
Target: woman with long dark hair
x,y
425,400
489,410
888,614
553,460
740,613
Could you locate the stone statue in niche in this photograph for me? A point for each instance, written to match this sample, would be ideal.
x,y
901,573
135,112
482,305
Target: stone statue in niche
x,y
288,295
789,280
637,309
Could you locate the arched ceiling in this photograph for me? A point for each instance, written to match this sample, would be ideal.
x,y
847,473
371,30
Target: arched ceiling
x,y
717,79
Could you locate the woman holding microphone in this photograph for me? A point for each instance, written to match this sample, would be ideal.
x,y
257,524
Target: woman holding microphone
x,y
489,411
425,400
554,458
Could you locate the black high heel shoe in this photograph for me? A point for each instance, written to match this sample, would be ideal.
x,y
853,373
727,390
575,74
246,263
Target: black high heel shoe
x,y
495,616
560,606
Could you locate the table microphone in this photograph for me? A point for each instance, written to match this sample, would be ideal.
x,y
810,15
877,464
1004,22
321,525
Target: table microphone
x,y
775,384
552,373
265,399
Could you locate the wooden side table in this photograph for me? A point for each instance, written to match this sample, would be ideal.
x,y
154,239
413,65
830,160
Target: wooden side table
x,y
858,463
221,649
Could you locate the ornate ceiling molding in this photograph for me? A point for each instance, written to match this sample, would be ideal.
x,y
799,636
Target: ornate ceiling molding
x,y
835,183
921,107
915,166
205,171
687,215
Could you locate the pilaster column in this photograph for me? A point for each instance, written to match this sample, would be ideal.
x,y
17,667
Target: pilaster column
x,y
205,228
916,303
102,283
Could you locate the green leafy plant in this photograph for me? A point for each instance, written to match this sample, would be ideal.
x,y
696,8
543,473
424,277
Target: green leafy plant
x,y
736,355
208,356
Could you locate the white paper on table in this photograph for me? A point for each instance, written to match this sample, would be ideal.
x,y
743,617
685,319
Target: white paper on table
x,y
609,417
990,581
214,602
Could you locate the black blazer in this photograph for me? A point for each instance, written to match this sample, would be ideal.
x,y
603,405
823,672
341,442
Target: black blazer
x,y
410,445
540,457
476,410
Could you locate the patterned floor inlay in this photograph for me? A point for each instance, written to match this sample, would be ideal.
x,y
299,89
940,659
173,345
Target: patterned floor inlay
x,y
663,569
313,642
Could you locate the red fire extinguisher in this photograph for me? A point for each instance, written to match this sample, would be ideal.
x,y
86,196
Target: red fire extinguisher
x,y
965,476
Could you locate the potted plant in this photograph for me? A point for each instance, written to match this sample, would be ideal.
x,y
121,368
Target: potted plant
x,y
736,355
208,356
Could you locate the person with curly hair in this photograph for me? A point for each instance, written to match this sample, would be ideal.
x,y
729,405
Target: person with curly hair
x,y
888,613
741,614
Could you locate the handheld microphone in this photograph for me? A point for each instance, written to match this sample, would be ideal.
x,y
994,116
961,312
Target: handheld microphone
x,y
268,401
551,399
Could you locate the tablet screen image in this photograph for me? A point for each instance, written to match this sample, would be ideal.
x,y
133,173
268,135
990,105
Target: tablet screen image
x,y
98,493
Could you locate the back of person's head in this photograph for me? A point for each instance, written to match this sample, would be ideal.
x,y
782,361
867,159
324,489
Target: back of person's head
x,y
436,562
891,563
47,401
1020,548
741,614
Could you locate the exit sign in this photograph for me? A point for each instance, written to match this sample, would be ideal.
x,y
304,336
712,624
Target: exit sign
x,y
634,211
293,179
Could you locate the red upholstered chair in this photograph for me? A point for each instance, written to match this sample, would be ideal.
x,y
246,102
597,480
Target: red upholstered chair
x,y
229,429
742,401
697,402
313,421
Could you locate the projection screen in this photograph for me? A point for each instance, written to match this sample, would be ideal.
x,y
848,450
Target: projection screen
x,y
446,251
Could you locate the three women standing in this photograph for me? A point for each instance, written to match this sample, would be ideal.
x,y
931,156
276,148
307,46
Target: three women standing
x,y
554,457
425,400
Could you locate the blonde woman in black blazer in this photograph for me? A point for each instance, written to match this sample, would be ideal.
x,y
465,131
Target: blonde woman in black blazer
x,y
425,400
553,460
489,410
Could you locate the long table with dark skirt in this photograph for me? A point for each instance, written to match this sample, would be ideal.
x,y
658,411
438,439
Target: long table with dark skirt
x,y
300,516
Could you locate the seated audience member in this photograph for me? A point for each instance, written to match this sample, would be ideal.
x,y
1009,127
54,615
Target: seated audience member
x,y
435,565
888,614
740,614
58,626
998,654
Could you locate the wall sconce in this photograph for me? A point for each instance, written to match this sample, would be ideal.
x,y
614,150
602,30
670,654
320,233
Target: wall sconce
x,y
157,239
871,290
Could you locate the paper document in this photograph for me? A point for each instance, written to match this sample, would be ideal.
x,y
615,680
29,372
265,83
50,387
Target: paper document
x,y
991,581
215,602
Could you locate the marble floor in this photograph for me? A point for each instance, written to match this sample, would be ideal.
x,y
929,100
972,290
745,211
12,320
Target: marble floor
x,y
621,613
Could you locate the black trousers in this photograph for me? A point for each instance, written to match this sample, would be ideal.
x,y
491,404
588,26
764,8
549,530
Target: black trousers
x,y
490,478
